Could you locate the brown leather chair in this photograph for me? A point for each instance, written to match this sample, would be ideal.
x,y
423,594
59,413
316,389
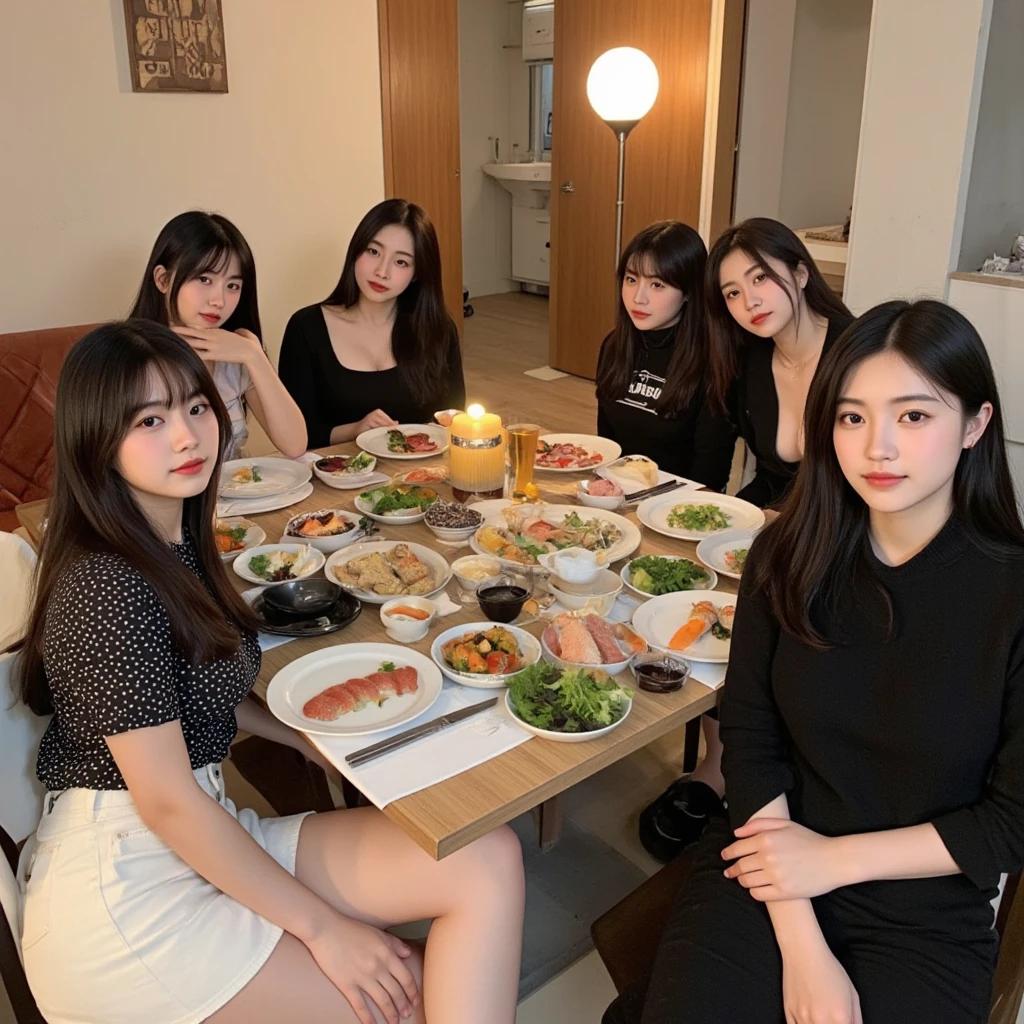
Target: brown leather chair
x,y
30,363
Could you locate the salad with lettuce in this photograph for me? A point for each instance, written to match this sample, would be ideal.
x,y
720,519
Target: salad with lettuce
x,y
567,699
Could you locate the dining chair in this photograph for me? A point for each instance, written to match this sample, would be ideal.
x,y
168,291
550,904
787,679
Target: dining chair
x,y
627,937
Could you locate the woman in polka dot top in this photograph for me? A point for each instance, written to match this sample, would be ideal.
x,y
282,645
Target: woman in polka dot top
x,y
175,906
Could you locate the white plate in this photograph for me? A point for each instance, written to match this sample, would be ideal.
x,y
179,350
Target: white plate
x,y
653,513
441,569
490,507
253,536
711,550
630,484
307,676
658,619
328,545
376,441
257,506
528,644
346,482
314,562
622,548
278,476
608,450
709,584
404,519
564,737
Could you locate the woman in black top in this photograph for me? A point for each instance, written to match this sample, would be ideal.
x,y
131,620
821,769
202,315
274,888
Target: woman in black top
x,y
772,318
381,349
652,369
873,714
176,907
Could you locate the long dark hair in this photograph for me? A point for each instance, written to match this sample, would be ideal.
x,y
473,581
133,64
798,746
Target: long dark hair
x,y
192,244
759,238
423,331
808,555
675,253
103,383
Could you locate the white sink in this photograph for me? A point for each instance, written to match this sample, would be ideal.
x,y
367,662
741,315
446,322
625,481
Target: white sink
x,y
540,172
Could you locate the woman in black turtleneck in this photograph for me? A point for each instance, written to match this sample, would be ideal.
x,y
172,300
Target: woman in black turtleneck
x,y
651,372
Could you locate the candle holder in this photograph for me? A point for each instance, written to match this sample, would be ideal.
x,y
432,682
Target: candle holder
x,y
476,454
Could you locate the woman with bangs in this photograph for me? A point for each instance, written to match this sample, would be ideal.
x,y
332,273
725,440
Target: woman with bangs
x,y
652,368
201,282
147,895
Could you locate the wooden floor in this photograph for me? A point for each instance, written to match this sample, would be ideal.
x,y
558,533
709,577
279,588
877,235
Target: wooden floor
x,y
506,336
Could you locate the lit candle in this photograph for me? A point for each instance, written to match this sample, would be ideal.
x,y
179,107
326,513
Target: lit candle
x,y
477,453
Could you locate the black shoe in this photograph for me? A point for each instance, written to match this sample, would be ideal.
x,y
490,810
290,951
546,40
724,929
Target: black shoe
x,y
677,819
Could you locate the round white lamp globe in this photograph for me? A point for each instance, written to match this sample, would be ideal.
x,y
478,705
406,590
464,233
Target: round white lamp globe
x,y
622,84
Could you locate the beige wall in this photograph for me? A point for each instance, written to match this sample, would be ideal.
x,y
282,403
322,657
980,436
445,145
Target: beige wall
x,y
921,98
91,171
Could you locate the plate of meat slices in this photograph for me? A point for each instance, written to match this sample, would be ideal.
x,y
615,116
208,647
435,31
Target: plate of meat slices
x,y
574,453
406,441
354,689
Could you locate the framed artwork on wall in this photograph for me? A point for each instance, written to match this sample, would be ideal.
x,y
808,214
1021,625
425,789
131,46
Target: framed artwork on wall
x,y
176,45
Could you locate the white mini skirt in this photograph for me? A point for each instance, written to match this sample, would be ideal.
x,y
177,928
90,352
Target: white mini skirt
x,y
116,928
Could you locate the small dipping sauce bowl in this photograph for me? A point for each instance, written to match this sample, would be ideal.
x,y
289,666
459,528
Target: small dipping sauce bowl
x,y
502,598
657,672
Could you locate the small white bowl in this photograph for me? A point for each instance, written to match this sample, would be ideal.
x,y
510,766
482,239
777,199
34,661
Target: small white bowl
x,y
328,545
453,534
486,562
348,481
406,630
600,594
574,565
312,564
254,536
608,503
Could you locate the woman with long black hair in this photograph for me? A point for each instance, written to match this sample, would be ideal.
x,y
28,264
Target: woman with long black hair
x,y
652,369
381,349
873,712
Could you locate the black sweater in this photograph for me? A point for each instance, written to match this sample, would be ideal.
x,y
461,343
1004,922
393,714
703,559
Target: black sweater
x,y
695,443
754,408
886,731
330,394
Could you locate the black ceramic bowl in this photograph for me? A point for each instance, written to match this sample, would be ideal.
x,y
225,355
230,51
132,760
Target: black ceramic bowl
x,y
303,597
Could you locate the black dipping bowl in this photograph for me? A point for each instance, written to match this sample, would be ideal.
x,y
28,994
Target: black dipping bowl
x,y
304,598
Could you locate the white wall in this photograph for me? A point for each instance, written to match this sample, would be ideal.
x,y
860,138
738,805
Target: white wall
x,y
764,107
494,90
803,79
91,171
921,99
994,213
826,91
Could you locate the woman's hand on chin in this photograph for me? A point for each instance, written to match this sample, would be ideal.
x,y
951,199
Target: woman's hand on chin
x,y
215,345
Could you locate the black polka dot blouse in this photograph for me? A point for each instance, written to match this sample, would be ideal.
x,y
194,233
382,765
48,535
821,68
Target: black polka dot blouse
x,y
112,666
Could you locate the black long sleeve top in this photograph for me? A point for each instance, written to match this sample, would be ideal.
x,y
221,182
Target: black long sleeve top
x,y
696,444
890,729
330,394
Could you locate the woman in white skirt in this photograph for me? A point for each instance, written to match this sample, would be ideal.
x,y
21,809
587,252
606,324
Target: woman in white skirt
x,y
147,895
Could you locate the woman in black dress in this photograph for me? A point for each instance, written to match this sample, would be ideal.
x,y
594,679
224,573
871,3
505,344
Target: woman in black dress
x,y
772,318
652,369
381,349
873,713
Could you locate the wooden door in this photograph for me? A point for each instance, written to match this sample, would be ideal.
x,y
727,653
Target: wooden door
x,y
419,67
664,157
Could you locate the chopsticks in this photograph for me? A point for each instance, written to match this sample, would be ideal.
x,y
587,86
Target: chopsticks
x,y
650,492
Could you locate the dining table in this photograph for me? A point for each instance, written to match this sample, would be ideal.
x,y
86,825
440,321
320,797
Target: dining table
x,y
448,815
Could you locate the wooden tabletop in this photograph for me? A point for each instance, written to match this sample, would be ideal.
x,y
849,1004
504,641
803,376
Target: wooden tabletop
x,y
451,814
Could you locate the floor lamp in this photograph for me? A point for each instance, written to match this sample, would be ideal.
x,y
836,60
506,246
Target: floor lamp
x,y
622,86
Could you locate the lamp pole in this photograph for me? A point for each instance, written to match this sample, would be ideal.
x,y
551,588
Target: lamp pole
x,y
622,130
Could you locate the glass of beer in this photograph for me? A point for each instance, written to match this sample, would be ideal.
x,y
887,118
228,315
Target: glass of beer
x,y
522,450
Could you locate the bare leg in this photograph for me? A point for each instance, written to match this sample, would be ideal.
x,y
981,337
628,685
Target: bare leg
x,y
291,987
709,771
364,865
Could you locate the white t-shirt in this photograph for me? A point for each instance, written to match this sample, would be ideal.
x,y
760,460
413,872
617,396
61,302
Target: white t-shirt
x,y
232,380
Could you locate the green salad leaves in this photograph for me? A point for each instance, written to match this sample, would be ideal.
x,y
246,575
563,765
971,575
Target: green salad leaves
x,y
656,575
567,700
